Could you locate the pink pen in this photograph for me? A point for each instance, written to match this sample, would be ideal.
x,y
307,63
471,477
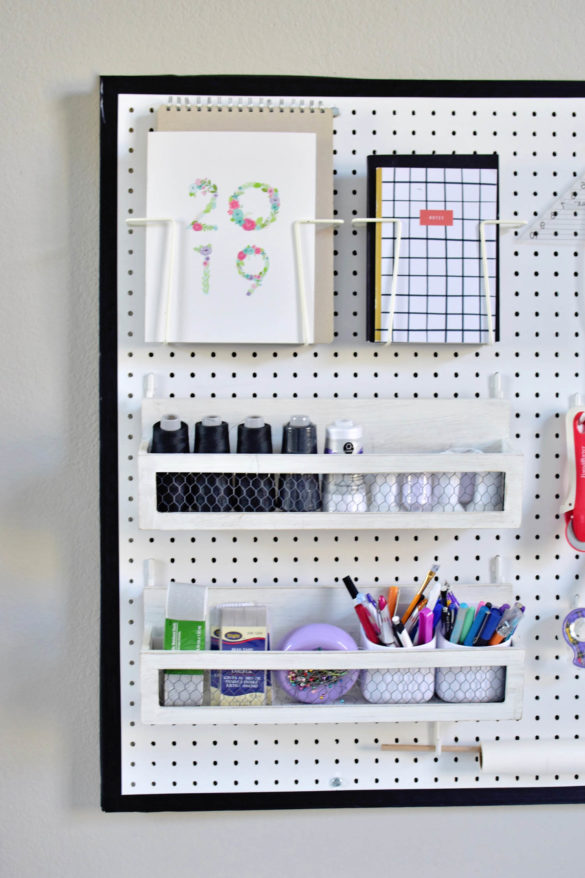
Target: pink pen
x,y
425,627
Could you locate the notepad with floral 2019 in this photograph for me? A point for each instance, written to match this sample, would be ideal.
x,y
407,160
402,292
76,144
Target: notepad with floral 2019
x,y
231,198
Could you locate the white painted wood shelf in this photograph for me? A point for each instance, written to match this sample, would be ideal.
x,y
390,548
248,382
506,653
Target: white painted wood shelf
x,y
289,607
430,437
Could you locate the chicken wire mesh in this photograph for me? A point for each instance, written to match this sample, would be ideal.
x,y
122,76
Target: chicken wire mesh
x,y
242,688
228,688
382,492
181,689
471,685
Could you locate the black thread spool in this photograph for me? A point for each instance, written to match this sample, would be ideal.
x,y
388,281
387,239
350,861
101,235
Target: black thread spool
x,y
170,435
299,493
254,493
212,492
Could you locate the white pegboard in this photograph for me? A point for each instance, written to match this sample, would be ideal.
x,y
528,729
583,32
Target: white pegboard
x,y
541,147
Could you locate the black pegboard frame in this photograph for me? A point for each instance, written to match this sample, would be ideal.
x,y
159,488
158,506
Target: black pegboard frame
x,y
540,332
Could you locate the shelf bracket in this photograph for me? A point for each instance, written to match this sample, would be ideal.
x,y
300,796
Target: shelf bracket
x,y
484,262
495,386
496,569
301,286
170,259
150,386
398,223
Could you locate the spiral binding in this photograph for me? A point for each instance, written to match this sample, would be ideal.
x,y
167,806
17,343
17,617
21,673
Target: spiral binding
x,y
240,104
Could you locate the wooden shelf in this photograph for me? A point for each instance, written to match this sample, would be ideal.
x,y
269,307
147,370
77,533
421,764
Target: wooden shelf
x,y
400,437
290,607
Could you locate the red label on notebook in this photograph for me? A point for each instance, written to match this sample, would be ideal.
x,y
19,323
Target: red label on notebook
x,y
436,217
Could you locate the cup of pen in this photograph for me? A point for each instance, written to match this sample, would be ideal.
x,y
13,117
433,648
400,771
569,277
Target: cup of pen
x,y
470,684
410,685
414,682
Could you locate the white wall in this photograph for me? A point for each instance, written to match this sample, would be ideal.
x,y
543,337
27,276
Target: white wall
x,y
53,52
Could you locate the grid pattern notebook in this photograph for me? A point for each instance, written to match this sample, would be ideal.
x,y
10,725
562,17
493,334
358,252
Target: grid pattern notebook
x,y
440,288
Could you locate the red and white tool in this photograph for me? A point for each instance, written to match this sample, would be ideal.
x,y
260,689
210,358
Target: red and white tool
x,y
574,506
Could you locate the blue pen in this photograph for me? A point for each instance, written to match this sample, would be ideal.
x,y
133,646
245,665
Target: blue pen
x,y
476,627
490,627
437,610
485,619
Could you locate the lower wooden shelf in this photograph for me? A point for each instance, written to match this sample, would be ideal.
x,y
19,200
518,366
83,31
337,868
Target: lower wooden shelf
x,y
378,673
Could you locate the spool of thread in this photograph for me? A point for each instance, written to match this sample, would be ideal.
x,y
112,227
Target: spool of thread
x,y
299,493
454,491
254,493
344,436
416,491
254,436
344,493
467,488
299,436
212,492
170,435
212,436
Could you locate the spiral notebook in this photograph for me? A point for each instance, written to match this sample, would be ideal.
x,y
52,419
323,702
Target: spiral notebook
x,y
234,182
426,270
